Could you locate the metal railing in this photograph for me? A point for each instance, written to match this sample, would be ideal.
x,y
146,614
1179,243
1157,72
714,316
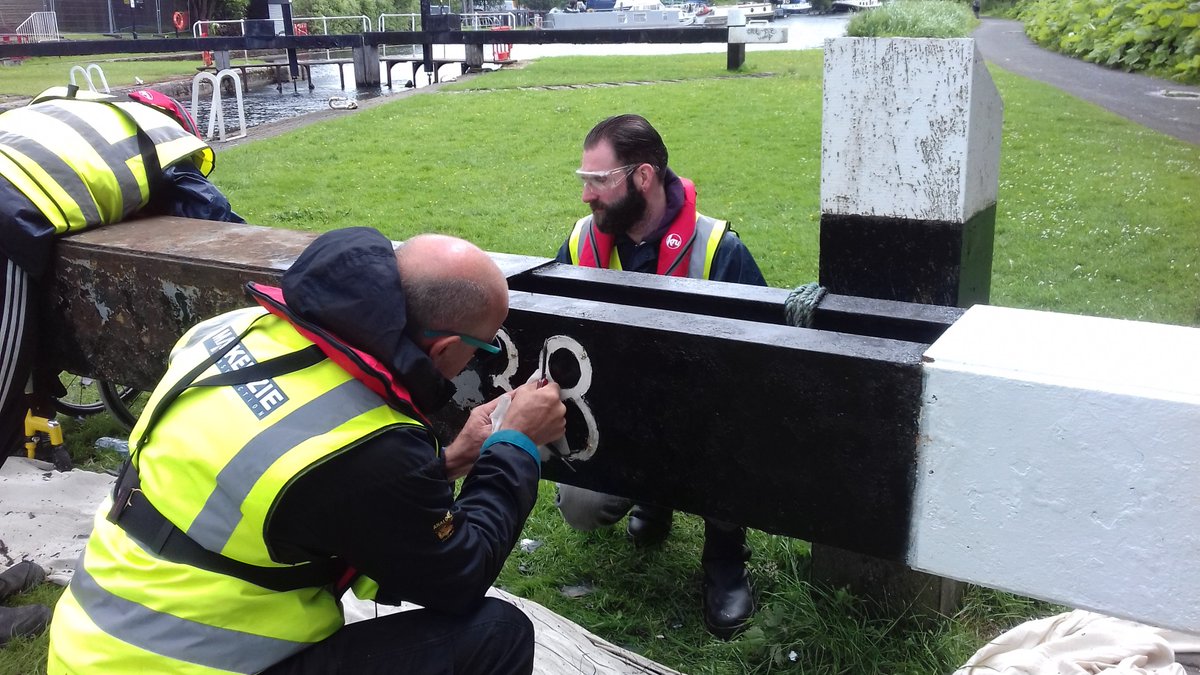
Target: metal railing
x,y
87,76
413,21
40,27
487,20
362,19
204,28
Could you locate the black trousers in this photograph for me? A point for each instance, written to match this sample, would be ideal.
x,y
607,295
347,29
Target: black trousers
x,y
17,335
497,638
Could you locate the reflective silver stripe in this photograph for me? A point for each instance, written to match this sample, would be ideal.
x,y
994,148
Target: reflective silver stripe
x,y
63,174
222,512
591,240
209,327
704,231
12,330
165,134
175,637
114,154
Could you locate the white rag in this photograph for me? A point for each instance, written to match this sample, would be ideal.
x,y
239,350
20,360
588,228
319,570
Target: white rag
x,y
46,515
1083,643
558,448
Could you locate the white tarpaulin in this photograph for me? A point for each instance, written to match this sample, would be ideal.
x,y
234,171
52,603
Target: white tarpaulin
x,y
1083,643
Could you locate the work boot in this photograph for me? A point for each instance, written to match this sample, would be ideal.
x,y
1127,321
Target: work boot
x,y
649,525
20,577
26,620
728,598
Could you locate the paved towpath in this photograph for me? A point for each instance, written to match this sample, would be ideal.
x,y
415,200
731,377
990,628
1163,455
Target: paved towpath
x,y
1135,97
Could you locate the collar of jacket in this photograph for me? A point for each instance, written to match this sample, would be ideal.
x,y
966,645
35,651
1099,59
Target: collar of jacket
x,y
347,283
679,221
361,365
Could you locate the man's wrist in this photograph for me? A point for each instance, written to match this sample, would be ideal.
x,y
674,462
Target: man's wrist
x,y
514,437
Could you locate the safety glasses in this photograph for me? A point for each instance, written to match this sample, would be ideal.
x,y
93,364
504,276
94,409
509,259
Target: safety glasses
x,y
603,180
492,347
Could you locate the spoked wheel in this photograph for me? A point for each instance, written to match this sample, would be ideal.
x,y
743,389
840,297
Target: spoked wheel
x,y
82,397
123,403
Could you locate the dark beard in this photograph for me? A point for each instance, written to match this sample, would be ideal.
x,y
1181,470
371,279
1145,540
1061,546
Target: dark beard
x,y
621,215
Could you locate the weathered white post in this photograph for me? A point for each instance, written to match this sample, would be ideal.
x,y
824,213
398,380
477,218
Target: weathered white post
x,y
910,156
741,34
910,161
1059,458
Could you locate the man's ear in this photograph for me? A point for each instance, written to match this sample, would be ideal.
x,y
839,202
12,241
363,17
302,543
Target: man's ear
x,y
646,172
438,347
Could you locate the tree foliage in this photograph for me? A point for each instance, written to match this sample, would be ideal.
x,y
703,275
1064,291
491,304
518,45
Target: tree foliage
x,y
1159,36
217,10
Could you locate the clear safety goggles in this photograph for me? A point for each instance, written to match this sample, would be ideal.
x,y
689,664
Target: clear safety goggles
x,y
604,180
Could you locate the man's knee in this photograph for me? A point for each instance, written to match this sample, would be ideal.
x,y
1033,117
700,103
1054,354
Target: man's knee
x,y
510,638
587,510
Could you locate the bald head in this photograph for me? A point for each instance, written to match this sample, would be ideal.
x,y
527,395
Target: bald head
x,y
451,284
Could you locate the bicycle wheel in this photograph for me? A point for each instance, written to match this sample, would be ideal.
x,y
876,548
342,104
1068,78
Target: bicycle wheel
x,y
82,397
123,403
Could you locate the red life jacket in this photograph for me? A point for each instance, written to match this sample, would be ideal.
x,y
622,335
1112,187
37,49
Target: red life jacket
x,y
673,249
590,247
361,365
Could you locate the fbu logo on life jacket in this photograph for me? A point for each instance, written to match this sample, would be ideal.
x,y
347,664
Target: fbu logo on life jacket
x,y
674,241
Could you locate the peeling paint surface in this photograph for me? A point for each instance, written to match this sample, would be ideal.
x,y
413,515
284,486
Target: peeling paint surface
x,y
908,127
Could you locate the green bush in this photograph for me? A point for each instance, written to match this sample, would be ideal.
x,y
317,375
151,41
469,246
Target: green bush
x,y
914,18
1159,36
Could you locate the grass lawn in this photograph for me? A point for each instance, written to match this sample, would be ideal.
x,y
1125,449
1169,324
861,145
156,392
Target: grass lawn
x,y
1095,216
39,73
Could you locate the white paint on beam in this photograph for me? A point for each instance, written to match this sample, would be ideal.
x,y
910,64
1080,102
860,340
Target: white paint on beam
x,y
757,34
910,129
1059,458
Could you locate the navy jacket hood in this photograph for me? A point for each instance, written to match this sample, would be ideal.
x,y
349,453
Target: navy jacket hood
x,y
347,282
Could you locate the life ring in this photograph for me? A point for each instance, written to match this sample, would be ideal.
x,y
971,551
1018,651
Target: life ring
x,y
180,20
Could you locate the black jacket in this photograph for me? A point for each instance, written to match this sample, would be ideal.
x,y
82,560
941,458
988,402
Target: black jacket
x,y
381,505
732,262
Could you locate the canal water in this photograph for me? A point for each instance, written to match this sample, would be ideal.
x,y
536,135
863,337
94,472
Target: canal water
x,y
264,103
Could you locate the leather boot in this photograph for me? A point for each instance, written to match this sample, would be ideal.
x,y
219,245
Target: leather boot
x,y
649,525
20,577
728,598
22,621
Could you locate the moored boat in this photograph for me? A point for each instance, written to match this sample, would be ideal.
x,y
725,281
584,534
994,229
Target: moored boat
x,y
855,5
629,14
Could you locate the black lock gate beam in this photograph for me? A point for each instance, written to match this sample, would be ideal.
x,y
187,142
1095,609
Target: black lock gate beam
x,y
808,433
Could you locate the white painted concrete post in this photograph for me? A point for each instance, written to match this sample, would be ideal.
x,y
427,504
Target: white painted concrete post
x,y
910,158
910,154
1059,458
735,52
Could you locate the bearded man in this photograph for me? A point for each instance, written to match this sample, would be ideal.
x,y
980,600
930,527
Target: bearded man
x,y
644,219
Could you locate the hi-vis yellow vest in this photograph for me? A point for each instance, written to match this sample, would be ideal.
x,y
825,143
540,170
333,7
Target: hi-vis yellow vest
x,y
80,160
708,234
215,465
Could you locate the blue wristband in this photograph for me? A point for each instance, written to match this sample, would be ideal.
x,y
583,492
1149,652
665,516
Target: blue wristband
x,y
514,437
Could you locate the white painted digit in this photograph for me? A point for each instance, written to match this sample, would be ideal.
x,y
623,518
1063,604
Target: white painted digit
x,y
574,394
504,379
470,388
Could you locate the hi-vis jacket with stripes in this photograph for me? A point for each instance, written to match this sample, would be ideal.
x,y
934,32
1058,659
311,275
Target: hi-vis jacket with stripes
x,y
91,160
687,249
214,462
